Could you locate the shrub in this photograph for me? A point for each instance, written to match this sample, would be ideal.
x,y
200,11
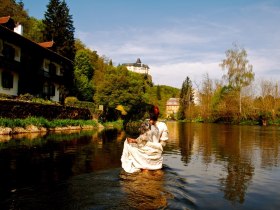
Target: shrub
x,y
25,97
5,96
71,100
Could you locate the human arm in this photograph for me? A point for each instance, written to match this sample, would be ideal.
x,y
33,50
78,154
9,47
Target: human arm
x,y
142,139
131,140
163,133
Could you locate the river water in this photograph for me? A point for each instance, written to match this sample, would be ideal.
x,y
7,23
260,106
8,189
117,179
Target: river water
x,y
206,166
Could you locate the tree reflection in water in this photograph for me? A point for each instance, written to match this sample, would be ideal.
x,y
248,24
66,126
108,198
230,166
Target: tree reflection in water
x,y
235,184
224,144
239,166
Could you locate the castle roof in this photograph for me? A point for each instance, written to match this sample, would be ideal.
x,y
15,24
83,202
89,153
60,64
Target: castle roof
x,y
173,102
138,63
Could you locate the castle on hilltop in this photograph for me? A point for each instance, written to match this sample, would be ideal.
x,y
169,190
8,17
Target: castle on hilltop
x,y
138,67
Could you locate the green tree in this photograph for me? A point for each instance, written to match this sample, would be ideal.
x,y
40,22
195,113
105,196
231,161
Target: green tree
x,y
83,74
239,72
119,87
35,32
166,92
158,93
223,103
59,28
186,98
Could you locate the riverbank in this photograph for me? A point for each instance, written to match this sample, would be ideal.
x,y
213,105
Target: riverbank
x,y
42,125
35,129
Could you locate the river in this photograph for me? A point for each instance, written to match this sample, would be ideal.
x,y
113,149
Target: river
x,y
206,166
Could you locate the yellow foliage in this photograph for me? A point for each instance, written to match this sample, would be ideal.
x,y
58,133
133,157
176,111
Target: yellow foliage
x,y
121,109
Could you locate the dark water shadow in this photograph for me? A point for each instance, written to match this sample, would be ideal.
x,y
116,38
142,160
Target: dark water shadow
x,y
108,189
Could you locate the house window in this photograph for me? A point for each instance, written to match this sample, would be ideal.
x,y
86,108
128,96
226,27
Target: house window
x,y
49,89
60,71
1,46
17,54
7,80
9,52
46,89
52,69
52,90
46,64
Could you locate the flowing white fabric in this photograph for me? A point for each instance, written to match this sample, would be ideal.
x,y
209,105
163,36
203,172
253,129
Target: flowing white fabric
x,y
149,156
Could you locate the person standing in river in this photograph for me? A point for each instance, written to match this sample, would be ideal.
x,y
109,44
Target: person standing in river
x,y
149,156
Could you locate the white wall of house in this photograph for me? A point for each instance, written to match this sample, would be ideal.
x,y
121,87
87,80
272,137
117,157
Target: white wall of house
x,y
172,106
10,91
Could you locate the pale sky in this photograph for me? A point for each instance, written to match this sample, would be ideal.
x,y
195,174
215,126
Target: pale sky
x,y
178,38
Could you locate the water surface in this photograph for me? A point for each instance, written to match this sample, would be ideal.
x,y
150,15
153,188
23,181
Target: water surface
x,y
206,166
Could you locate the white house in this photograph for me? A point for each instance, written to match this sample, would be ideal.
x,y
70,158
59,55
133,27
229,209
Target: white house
x,y
29,67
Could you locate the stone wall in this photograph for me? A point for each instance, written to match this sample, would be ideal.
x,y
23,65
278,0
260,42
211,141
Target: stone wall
x,y
20,109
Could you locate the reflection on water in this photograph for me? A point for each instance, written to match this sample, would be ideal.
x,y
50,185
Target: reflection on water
x,y
145,190
228,159
206,166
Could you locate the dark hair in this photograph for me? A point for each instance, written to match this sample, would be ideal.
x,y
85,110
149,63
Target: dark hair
x,y
153,116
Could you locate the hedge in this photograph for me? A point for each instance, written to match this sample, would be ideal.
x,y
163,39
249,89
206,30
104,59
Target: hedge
x,y
14,109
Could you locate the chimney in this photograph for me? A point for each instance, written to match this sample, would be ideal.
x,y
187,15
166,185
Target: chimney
x,y
19,29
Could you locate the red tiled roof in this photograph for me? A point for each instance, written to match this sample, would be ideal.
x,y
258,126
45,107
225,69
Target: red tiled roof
x,y
46,44
4,19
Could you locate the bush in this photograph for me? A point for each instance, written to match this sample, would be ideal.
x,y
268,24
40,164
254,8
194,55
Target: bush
x,y
70,100
21,109
5,96
26,97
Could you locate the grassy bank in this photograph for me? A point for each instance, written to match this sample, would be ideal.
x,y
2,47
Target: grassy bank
x,y
42,122
116,124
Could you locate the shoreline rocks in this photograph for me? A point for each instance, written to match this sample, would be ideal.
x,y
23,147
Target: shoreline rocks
x,y
35,129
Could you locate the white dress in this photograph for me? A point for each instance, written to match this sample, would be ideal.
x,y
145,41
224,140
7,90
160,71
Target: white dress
x,y
148,155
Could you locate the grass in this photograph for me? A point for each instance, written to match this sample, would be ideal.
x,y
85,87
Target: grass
x,y
42,122
116,124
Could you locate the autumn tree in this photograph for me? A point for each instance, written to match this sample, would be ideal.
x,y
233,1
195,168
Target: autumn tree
x,y
186,98
205,97
268,101
239,73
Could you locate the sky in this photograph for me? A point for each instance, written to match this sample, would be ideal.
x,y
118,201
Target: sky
x,y
178,38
